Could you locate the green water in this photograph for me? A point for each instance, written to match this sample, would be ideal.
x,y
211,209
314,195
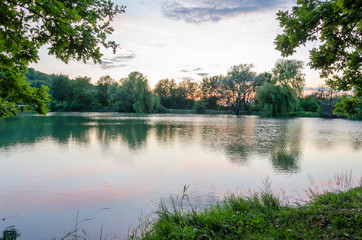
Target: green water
x,y
54,166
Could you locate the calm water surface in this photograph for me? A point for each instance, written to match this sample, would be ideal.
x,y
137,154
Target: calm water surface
x,y
54,166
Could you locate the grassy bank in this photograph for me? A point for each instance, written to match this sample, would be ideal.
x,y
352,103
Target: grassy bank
x,y
335,215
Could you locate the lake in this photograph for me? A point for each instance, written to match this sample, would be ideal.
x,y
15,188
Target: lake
x,y
110,169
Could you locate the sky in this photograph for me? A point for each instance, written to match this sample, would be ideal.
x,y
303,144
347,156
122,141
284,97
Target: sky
x,y
187,40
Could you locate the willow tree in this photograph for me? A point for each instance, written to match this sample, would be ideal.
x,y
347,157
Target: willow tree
x,y
276,100
135,94
289,73
72,29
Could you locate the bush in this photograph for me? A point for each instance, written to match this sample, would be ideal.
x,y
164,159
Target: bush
x,y
308,104
200,107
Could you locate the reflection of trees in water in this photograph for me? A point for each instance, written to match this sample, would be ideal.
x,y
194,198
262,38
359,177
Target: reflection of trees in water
x,y
22,130
327,138
238,154
356,140
277,139
133,132
30,129
281,141
324,140
232,136
168,132
165,132
71,128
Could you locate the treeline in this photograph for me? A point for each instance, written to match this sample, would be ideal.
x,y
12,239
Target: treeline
x,y
130,94
277,93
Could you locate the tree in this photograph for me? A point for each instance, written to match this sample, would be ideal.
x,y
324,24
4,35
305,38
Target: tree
x,y
74,29
135,94
60,88
82,93
276,100
289,73
336,26
177,96
103,84
165,88
309,104
238,86
36,79
210,88
327,98
189,89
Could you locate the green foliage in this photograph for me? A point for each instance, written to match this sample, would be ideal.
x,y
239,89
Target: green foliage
x,y
200,107
238,87
103,84
350,107
17,94
309,104
336,24
82,94
260,216
36,79
158,107
61,88
134,94
165,88
175,96
73,29
211,90
276,101
289,73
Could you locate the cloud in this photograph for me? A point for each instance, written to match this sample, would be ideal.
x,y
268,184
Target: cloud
x,y
196,11
193,71
187,78
203,74
117,61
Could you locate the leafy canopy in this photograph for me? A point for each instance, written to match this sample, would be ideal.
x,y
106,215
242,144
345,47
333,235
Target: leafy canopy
x,y
238,86
276,100
289,73
336,26
74,29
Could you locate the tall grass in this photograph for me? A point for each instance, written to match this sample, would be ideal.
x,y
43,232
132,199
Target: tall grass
x,y
331,213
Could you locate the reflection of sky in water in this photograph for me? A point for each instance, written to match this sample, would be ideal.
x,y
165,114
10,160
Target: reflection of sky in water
x,y
54,166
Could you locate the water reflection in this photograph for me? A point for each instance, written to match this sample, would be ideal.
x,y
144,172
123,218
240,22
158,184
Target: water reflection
x,y
10,233
132,132
239,138
285,147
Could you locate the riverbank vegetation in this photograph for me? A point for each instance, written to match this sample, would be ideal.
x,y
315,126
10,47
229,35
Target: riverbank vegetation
x,y
278,93
334,214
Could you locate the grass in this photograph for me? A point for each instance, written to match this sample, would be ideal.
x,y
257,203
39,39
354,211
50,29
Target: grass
x,y
333,213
